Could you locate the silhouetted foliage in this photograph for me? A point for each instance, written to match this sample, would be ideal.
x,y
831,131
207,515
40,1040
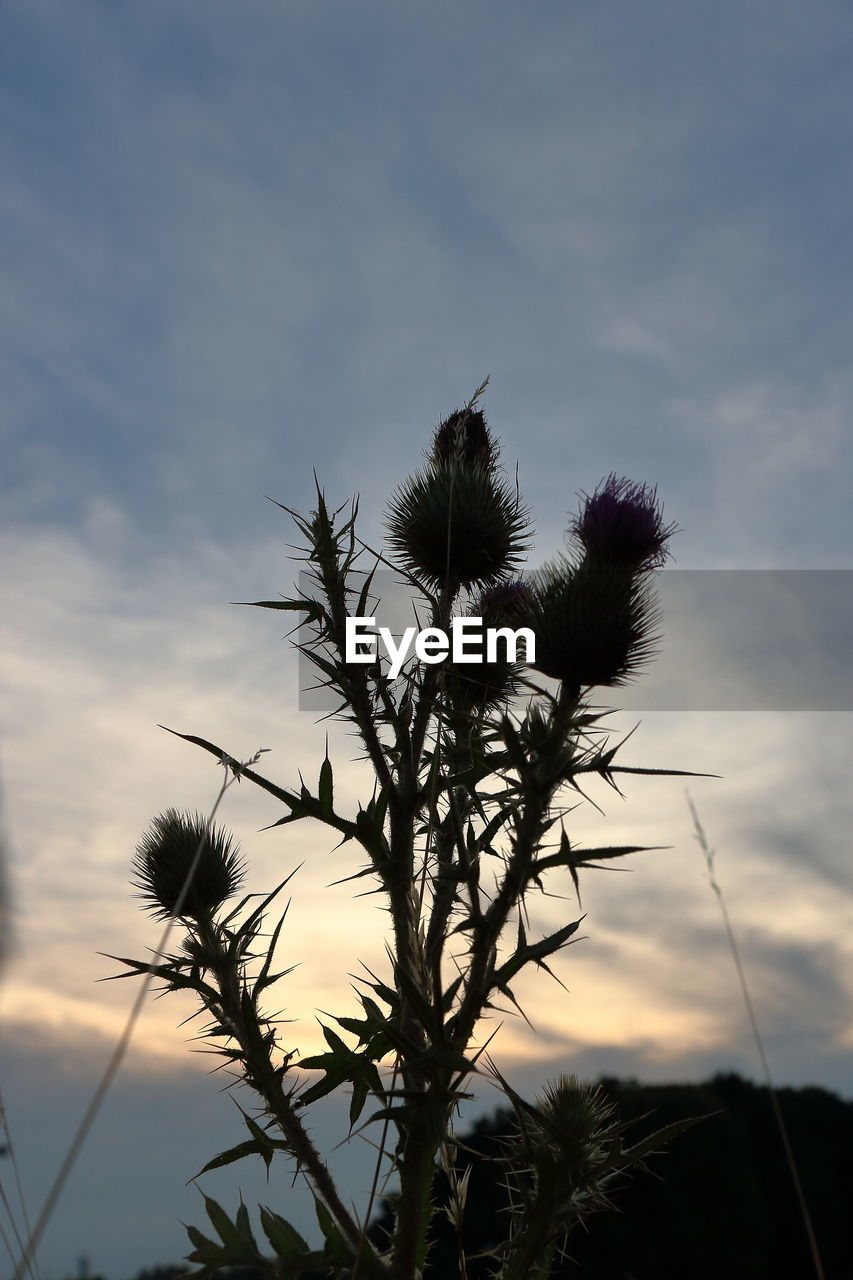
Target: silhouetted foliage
x,y
715,1204
474,777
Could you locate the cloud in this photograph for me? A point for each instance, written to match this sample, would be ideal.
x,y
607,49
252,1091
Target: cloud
x,y
94,658
96,655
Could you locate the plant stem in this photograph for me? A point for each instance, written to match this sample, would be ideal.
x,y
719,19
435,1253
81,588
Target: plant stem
x,y
239,1017
415,1204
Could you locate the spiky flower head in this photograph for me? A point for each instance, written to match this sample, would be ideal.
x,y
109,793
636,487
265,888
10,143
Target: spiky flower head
x,y
595,623
578,1119
559,1155
480,686
457,526
622,523
174,844
464,438
506,604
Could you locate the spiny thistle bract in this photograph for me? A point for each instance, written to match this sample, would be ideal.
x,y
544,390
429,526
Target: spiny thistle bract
x,y
595,624
165,856
561,1157
457,523
562,1142
482,686
578,1120
506,604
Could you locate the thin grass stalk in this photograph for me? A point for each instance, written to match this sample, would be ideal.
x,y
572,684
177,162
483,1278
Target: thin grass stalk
x,y
790,1159
7,1243
10,1150
116,1059
4,1199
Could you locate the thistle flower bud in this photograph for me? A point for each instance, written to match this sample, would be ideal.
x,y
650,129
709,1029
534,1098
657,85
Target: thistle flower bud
x,y
506,604
480,686
483,685
464,438
457,526
579,1119
622,523
566,1140
165,856
594,623
559,1155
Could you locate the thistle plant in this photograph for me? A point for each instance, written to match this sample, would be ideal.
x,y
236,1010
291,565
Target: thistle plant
x,y
474,764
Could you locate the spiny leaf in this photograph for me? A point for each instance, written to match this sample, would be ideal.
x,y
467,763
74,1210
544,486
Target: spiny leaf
x,y
239,1152
238,1243
651,1144
265,978
284,1238
222,1224
450,994
535,951
211,1255
312,608
325,788
243,1225
201,1242
573,857
357,1101
335,1043
302,806
338,1252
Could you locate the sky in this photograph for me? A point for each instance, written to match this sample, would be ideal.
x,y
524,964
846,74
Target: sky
x,y
241,242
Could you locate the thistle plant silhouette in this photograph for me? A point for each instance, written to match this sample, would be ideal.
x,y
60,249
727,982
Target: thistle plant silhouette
x,y
473,767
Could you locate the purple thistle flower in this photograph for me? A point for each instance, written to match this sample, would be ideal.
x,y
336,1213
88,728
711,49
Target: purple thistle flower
x,y
623,523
